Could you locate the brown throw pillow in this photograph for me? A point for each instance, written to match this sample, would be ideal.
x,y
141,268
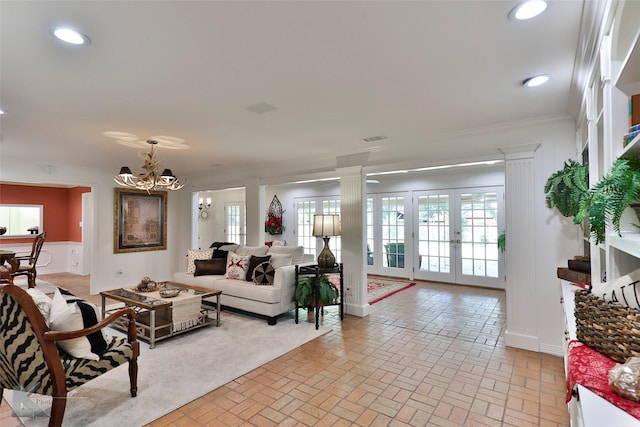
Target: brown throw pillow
x,y
255,261
205,267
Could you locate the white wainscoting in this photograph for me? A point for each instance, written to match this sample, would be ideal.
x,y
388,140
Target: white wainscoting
x,y
55,257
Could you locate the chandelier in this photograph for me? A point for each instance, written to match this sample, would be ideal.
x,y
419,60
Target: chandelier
x,y
151,178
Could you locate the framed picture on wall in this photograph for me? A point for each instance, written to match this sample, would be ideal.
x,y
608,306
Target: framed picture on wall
x,y
140,220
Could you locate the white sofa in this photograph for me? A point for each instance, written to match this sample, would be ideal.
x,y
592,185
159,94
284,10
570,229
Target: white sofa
x,y
269,301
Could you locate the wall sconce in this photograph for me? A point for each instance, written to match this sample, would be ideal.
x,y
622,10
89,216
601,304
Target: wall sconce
x,y
202,205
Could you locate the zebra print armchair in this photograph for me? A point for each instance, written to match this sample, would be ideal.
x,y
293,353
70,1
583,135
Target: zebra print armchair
x,y
30,359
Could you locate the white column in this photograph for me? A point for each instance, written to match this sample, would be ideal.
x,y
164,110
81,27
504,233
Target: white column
x,y
522,326
352,214
254,200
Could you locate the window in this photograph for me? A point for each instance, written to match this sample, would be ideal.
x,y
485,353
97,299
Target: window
x,y
21,220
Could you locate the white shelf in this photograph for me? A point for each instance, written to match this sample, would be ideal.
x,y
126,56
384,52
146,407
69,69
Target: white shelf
x,y
632,149
629,242
629,78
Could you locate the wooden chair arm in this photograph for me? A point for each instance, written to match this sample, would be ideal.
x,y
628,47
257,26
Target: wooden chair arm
x,y
132,334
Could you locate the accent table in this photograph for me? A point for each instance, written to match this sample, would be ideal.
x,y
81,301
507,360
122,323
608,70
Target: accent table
x,y
154,315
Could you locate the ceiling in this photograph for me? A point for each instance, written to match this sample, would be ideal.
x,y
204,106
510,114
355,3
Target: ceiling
x,y
337,73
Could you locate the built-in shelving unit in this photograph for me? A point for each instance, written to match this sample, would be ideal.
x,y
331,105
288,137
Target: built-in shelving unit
x,y
604,121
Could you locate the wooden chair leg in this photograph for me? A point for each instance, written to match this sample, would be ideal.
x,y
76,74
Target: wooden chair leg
x,y
32,279
58,406
133,371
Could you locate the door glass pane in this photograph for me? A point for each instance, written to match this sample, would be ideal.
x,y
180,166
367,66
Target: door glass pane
x,y
392,228
479,234
234,224
305,211
433,233
370,242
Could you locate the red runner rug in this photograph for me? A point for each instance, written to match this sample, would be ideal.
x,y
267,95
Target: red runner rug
x,y
379,288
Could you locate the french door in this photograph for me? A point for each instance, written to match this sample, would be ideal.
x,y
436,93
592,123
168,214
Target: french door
x,y
388,234
456,238
235,222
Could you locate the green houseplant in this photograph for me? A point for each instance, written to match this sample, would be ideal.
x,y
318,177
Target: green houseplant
x,y
327,291
566,188
605,202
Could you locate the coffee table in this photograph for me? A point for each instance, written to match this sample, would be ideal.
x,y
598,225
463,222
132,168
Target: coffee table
x,y
154,315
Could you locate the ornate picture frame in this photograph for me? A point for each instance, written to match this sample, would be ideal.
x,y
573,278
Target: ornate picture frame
x,y
140,220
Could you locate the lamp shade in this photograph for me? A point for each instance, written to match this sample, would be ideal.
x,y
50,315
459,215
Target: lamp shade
x,y
326,225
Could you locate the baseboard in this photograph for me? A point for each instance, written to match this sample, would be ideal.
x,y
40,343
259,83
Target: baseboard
x,y
554,350
525,342
357,310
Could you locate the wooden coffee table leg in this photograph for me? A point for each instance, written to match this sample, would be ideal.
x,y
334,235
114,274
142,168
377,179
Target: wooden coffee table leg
x,y
218,310
152,328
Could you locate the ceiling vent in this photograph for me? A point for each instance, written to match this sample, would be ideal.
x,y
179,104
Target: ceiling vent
x,y
375,138
261,108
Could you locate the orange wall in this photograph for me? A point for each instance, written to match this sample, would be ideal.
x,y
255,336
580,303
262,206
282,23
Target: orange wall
x,y
62,209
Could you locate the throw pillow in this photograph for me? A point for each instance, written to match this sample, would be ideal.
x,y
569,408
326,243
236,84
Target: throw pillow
x,y
624,290
229,248
263,274
206,267
216,245
237,266
220,254
255,261
281,260
193,255
42,301
70,313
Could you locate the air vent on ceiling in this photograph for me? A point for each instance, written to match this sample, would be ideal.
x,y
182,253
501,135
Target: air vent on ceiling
x,y
375,138
261,108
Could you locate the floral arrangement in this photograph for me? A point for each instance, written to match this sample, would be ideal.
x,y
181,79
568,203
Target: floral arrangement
x,y
273,224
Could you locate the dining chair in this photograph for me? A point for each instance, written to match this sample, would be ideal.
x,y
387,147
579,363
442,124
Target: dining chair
x,y
29,269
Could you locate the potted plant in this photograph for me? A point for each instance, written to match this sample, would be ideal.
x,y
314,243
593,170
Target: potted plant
x,y
566,188
607,200
327,291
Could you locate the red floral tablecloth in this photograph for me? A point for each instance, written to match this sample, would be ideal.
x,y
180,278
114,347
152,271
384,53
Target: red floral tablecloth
x,y
591,369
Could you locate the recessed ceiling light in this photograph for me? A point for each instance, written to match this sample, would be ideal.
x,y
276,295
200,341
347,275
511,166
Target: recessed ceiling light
x,y
528,9
1,112
69,35
534,81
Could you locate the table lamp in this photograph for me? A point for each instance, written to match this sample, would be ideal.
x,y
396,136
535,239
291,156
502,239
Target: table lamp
x,y
326,225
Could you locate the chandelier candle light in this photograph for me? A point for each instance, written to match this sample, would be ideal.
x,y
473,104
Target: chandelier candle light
x,y
151,179
326,225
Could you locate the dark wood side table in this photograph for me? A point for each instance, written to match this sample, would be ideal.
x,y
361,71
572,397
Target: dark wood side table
x,y
316,270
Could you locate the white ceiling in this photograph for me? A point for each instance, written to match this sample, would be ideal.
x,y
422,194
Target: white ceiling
x,y
337,72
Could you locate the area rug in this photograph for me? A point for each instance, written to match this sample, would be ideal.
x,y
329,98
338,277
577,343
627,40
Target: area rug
x,y
179,370
42,285
378,288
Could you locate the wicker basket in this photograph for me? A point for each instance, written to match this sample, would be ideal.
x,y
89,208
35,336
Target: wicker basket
x,y
608,328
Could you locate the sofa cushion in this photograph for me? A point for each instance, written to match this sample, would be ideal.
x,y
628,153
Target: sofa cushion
x,y
252,250
206,267
263,274
193,255
255,261
297,252
70,313
280,260
237,266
